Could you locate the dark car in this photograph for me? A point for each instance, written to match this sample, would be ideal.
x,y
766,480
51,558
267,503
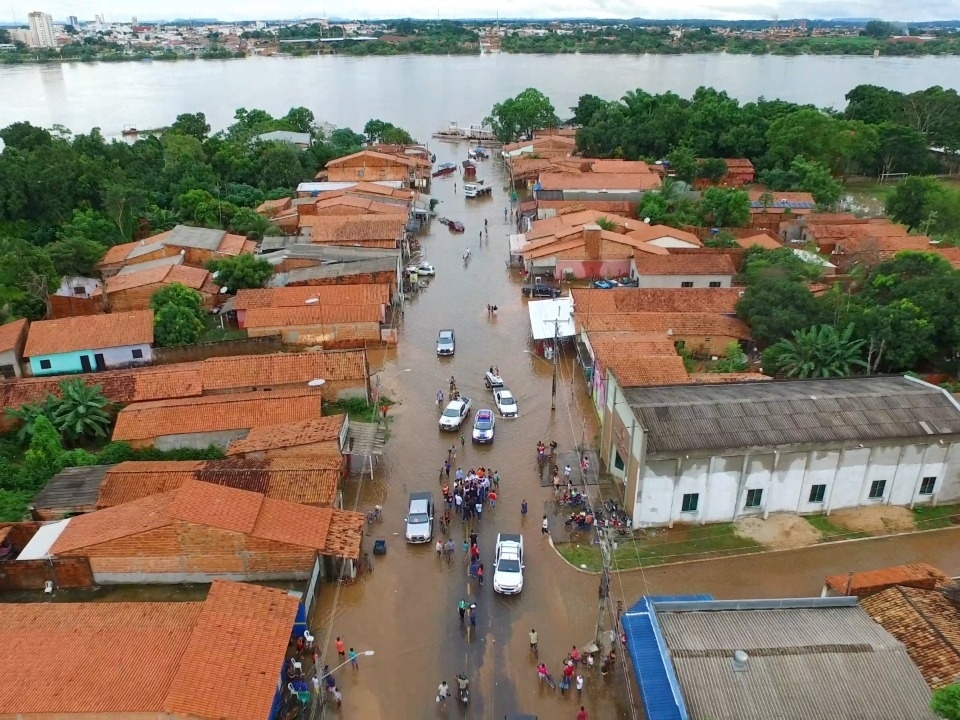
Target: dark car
x,y
540,290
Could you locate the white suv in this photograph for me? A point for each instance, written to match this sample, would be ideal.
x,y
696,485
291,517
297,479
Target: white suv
x,y
508,564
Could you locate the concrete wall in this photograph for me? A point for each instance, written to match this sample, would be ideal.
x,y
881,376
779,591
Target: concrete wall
x,y
786,478
10,358
592,268
676,281
198,441
61,363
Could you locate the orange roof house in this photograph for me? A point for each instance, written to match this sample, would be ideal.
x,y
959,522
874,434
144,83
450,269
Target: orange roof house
x,y
219,658
321,436
719,301
587,251
638,359
212,420
665,236
13,335
312,480
195,244
611,184
132,288
702,333
203,531
382,231
867,582
371,166
705,270
94,342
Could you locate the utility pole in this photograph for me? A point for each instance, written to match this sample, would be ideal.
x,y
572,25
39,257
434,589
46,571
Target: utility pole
x,y
553,392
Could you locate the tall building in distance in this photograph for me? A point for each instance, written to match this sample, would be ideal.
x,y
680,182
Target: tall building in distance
x,y
73,21
41,28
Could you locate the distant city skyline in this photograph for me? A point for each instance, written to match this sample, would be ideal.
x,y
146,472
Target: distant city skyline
x,y
124,10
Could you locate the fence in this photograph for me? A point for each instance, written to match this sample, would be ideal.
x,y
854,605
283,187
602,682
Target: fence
x,y
193,353
32,574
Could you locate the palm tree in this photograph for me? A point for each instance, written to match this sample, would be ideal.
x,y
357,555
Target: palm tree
x,y
258,227
606,224
819,351
161,219
82,412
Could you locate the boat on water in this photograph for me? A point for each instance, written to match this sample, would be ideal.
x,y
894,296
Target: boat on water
x,y
445,169
473,133
129,131
453,132
479,152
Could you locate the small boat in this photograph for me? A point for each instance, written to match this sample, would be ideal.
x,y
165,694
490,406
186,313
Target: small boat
x,y
129,131
481,152
445,169
453,132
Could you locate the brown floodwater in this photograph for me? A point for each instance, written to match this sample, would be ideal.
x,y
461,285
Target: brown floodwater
x,y
406,610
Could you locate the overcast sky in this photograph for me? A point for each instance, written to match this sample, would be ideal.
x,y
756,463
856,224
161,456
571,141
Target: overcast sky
x,y
122,10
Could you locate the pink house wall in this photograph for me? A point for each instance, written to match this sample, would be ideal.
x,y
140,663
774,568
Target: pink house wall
x,y
583,269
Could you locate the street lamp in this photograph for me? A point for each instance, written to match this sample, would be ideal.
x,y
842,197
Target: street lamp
x,y
327,674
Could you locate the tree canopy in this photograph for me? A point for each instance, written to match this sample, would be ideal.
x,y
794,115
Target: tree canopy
x,y
519,116
241,272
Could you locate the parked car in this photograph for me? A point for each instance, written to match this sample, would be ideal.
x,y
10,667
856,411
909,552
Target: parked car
x,y
419,517
541,290
628,282
508,564
605,284
483,426
506,403
454,414
446,343
424,268
492,380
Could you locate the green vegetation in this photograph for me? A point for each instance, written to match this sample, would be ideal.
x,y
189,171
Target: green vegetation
x,y
80,413
819,351
103,48
357,409
519,116
929,517
830,532
178,315
946,702
687,542
65,199
241,272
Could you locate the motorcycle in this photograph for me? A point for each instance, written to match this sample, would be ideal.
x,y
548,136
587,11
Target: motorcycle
x,y
463,691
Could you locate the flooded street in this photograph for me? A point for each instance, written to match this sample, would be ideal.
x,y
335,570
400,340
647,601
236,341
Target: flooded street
x,y
406,611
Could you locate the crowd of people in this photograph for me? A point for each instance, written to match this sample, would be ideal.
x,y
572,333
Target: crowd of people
x,y
469,493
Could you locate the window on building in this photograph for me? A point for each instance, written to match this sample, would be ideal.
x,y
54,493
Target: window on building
x,y
926,485
7,371
137,354
45,365
359,173
690,502
618,461
817,492
79,290
754,498
876,489
714,283
687,283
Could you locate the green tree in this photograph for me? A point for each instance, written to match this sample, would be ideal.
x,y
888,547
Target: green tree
x,y
873,104
75,256
878,29
519,116
176,325
300,119
776,308
734,360
725,207
912,200
28,414
723,239
44,458
946,702
818,351
814,178
27,277
683,164
587,107
250,223
900,149
82,411
193,124
378,131
241,272
161,219
760,264
90,225
177,294
713,169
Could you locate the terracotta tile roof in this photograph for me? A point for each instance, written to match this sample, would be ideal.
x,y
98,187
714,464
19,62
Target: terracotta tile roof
x,y
717,378
780,196
607,207
231,373
837,231
639,359
363,294
287,435
884,244
374,155
649,233
270,206
541,140
148,420
762,240
345,229
571,238
91,332
832,219
190,277
738,164
232,661
871,581
714,300
366,188
927,624
311,480
359,202
701,264
113,523
619,166
10,334
309,316
204,504
683,324
233,245
599,181
344,535
950,254
575,217
117,253
98,666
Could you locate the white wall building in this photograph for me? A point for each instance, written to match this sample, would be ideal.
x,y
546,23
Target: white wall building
x,y
716,453
41,28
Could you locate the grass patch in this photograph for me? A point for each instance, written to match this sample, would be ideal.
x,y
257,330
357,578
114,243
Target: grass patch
x,y
931,518
357,409
829,531
214,333
659,546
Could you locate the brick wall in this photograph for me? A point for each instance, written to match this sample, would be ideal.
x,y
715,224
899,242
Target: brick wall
x,y
61,307
187,548
192,353
139,298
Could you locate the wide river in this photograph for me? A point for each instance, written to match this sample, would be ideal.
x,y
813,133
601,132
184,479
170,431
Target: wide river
x,y
422,93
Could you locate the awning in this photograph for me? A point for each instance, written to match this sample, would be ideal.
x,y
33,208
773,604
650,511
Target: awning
x,y
551,318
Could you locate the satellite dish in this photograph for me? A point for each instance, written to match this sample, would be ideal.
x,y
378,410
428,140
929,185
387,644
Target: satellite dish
x,y
183,252
311,301
224,290
215,274
646,220
317,382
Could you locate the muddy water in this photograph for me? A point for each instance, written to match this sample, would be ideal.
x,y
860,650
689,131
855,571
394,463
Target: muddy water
x,y
406,610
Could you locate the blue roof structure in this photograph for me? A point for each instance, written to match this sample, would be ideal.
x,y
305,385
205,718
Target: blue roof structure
x,y
651,660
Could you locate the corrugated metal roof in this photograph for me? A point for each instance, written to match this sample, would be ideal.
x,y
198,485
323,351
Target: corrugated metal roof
x,y
822,661
195,237
683,418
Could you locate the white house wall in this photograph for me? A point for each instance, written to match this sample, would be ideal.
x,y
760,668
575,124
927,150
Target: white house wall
x,y
786,479
676,281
